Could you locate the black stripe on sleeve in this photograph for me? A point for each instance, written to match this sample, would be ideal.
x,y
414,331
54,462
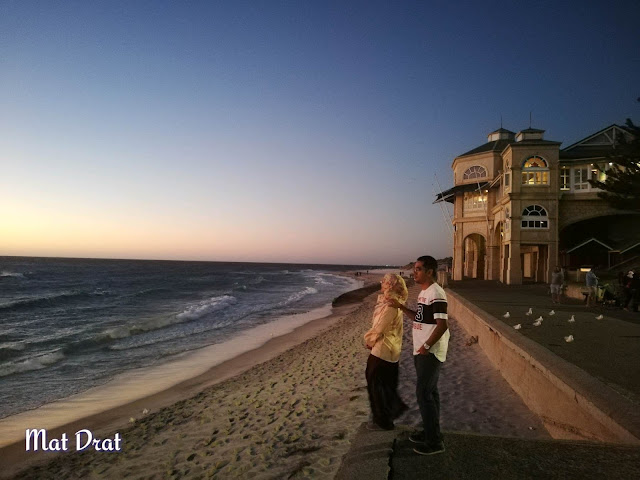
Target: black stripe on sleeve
x,y
439,306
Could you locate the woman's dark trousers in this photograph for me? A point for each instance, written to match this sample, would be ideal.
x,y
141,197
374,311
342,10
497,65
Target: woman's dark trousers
x,y
382,385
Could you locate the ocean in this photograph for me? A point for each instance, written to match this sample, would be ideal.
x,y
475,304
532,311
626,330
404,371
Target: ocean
x,y
67,325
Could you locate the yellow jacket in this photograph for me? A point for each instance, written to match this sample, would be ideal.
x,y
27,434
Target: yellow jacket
x,y
385,335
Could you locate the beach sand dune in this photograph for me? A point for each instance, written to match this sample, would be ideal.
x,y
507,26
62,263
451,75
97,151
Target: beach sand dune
x,y
294,416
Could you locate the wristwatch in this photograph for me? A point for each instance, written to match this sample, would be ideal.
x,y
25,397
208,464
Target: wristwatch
x,y
426,346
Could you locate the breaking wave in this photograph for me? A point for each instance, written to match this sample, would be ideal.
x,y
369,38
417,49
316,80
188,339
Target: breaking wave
x,y
4,273
299,295
51,300
34,363
205,307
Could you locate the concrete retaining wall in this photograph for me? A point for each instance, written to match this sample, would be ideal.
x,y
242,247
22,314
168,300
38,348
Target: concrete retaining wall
x,y
571,403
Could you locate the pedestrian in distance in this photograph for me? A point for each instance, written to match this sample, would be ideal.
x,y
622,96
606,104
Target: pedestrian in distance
x,y
557,280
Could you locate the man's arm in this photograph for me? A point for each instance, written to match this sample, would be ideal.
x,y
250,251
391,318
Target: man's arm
x,y
407,311
441,327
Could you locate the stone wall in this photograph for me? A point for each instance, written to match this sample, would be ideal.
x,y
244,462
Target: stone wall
x,y
571,403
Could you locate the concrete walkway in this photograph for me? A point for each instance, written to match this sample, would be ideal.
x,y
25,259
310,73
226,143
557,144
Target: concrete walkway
x,y
389,455
608,349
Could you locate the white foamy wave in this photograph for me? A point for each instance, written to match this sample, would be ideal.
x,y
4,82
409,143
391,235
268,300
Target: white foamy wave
x,y
319,278
299,295
34,363
16,347
207,306
117,332
4,273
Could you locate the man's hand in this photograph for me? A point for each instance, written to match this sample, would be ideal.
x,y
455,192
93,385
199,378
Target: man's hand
x,y
423,351
393,302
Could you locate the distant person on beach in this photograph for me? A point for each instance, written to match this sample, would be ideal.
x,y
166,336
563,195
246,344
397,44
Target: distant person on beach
x,y
557,280
592,287
384,339
631,291
430,344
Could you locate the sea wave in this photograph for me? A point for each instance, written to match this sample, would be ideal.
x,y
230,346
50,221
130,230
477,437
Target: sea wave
x,y
299,295
147,291
119,332
205,307
49,300
320,278
4,273
10,349
34,363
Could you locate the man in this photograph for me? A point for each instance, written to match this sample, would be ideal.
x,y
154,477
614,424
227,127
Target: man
x,y
592,287
557,280
430,343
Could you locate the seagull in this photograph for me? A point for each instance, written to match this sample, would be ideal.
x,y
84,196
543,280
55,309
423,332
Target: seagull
x,y
539,319
145,411
537,323
552,312
568,339
599,317
530,312
572,319
506,315
518,326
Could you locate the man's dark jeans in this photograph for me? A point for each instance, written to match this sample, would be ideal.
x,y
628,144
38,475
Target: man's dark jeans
x,y
428,371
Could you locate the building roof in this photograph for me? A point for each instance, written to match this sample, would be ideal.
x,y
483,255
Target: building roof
x,y
592,239
531,130
497,146
448,195
598,145
503,130
630,248
535,142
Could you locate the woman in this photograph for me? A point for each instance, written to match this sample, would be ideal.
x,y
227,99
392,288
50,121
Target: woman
x,y
384,339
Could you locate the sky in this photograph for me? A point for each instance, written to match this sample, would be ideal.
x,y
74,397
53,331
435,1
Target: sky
x,y
269,131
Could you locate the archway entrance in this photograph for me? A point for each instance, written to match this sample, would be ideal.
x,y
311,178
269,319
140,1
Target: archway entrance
x,y
475,247
534,260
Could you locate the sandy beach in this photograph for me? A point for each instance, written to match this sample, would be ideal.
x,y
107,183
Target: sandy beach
x,y
285,410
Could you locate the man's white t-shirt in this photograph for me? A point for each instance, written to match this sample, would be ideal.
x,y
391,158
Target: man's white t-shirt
x,y
432,305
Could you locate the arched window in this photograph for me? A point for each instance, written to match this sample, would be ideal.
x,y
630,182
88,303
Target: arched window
x,y
474,172
535,216
535,171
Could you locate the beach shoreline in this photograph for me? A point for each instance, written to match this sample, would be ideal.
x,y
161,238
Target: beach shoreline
x,y
62,416
290,408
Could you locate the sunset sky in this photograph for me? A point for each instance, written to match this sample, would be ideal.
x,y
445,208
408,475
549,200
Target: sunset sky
x,y
271,131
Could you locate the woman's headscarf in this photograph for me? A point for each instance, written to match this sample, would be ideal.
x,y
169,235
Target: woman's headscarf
x,y
397,287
